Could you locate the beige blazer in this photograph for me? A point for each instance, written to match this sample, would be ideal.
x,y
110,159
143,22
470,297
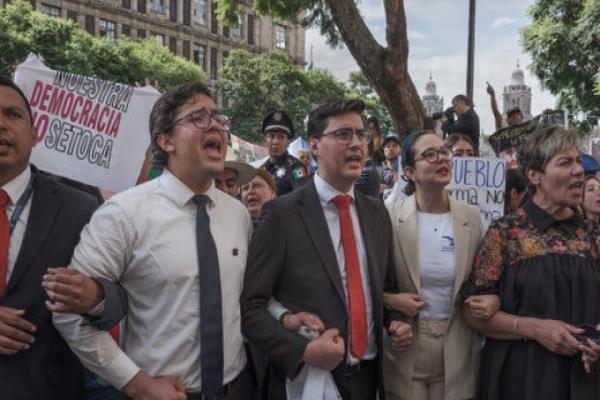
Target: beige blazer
x,y
461,346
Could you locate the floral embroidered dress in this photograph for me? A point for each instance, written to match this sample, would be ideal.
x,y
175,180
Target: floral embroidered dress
x,y
541,268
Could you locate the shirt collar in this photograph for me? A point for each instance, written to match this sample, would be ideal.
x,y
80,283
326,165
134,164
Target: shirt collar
x,y
16,187
180,193
327,192
542,220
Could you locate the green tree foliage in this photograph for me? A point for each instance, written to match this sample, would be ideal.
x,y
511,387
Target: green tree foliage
x,y
362,89
65,46
253,85
564,41
340,21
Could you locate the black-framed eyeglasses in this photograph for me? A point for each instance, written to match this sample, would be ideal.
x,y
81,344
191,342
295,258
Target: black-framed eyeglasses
x,y
345,135
203,118
435,155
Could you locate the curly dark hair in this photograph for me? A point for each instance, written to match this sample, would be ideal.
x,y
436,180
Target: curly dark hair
x,y
163,114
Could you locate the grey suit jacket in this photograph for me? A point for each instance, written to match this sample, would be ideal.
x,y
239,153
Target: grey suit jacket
x,y
48,370
292,258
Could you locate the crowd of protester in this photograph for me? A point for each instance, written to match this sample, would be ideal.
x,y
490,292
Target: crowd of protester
x,y
218,280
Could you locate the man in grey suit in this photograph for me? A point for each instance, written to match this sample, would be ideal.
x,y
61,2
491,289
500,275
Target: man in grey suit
x,y
40,222
327,250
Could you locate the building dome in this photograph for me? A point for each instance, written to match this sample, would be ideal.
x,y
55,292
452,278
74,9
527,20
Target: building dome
x,y
430,87
517,77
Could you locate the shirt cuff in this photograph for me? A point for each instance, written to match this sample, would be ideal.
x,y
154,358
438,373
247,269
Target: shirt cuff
x,y
276,309
120,371
98,309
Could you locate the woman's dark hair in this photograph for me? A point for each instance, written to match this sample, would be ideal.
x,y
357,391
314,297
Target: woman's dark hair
x,y
374,121
454,138
408,158
163,114
514,180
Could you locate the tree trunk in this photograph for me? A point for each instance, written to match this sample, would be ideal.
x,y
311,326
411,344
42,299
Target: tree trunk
x,y
386,68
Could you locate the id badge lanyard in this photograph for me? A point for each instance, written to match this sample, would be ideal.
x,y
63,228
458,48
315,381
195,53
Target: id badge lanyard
x,y
20,206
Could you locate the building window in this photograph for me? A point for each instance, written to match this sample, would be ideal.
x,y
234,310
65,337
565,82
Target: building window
x,y
250,29
90,24
173,10
214,23
236,29
173,45
107,29
72,15
199,12
280,37
158,6
52,11
126,4
185,49
200,56
125,30
141,33
160,38
141,6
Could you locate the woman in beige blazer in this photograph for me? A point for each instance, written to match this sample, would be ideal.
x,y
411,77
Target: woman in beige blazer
x,y
435,240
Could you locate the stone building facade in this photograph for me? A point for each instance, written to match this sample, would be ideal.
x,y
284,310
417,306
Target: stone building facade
x,y
432,102
189,28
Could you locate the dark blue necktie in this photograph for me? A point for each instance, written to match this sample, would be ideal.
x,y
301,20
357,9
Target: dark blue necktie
x,y
211,317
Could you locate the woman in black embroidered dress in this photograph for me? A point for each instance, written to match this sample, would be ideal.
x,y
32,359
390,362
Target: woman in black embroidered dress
x,y
543,262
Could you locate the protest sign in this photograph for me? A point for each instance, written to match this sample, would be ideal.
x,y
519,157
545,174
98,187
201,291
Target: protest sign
x,y
476,181
507,141
90,130
246,151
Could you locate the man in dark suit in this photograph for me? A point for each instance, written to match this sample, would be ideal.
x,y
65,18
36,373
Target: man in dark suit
x,y
467,122
40,221
325,249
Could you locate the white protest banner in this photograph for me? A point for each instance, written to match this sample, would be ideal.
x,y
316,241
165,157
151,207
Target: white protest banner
x,y
89,130
246,151
476,181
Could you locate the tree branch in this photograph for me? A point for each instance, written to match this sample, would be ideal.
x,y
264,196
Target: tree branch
x,y
396,28
357,36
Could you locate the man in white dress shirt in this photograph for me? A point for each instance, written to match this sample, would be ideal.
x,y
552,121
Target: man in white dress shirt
x,y
178,247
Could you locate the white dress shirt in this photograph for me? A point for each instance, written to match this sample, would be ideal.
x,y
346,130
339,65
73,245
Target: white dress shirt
x,y
15,189
327,192
145,239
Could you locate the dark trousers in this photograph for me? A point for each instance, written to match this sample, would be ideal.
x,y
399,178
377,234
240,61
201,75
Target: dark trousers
x,y
357,382
241,388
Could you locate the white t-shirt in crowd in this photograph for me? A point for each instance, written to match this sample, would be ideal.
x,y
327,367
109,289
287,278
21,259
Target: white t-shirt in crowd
x,y
437,264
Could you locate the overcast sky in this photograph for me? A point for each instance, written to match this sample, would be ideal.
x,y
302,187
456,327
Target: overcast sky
x,y
437,32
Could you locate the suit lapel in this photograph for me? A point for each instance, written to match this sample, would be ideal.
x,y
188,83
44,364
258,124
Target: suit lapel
x,y
311,212
42,214
407,236
462,234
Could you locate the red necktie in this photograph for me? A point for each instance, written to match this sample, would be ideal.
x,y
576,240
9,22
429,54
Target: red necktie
x,y
4,237
356,296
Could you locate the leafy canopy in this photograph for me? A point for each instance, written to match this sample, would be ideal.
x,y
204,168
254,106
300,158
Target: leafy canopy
x,y
254,85
563,40
65,46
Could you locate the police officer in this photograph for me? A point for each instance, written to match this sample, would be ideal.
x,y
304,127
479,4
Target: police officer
x,y
289,172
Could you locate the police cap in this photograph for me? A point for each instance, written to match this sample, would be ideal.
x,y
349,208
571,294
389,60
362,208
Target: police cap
x,y
278,121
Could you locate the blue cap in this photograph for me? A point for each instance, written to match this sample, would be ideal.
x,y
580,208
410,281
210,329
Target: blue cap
x,y
590,164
